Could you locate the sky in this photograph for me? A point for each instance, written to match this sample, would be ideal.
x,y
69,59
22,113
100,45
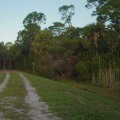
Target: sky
x,y
13,12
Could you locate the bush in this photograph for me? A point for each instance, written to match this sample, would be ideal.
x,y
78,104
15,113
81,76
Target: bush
x,y
83,71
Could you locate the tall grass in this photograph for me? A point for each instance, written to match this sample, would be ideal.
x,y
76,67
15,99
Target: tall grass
x,y
109,78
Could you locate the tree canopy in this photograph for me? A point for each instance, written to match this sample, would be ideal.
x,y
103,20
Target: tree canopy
x,y
35,18
67,11
90,53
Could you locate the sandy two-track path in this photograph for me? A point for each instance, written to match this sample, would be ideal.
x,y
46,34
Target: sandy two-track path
x,y
38,110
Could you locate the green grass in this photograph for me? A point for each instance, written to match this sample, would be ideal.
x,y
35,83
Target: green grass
x,y
109,93
12,99
75,103
2,76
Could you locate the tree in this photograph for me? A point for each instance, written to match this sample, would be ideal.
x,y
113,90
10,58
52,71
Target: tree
x,y
2,55
32,26
8,45
35,18
40,50
67,12
57,29
6,56
106,10
25,37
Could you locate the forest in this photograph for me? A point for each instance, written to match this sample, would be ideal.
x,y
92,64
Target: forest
x,y
62,51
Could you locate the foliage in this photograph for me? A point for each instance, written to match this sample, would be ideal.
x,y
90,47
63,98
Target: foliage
x,y
62,50
57,28
83,72
34,18
67,11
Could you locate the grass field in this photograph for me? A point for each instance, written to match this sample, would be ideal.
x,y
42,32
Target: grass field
x,y
12,99
72,101
66,99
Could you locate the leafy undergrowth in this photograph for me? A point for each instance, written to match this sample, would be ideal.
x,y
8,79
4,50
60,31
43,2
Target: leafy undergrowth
x,y
73,103
12,104
2,76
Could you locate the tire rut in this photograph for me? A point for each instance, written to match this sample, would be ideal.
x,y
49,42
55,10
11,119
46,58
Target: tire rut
x,y
2,86
4,83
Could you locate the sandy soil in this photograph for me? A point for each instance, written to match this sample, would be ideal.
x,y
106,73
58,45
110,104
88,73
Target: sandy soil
x,y
38,110
2,85
2,117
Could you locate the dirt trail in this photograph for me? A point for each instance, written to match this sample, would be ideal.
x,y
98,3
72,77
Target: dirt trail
x,y
2,85
38,110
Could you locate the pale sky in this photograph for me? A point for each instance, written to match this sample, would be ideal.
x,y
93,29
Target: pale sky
x,y
13,12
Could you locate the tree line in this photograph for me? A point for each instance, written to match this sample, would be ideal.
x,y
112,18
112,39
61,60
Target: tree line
x,y
90,53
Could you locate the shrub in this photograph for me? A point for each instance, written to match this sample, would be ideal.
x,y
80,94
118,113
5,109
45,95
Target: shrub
x,y
83,71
